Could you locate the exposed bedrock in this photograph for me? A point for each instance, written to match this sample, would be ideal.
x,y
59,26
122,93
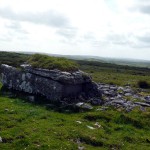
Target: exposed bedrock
x,y
53,84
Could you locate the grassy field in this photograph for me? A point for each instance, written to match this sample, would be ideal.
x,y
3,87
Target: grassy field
x,y
27,126
115,74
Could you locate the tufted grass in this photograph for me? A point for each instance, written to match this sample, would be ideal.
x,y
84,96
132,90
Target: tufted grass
x,y
49,62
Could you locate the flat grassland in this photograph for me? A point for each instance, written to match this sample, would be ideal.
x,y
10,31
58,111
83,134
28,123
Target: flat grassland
x,y
115,74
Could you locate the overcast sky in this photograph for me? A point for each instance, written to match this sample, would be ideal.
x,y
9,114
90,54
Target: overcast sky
x,y
108,28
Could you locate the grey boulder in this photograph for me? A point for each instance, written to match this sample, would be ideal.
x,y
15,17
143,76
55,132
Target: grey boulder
x,y
55,85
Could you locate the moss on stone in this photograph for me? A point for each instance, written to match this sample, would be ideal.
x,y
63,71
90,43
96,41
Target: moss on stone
x,y
49,62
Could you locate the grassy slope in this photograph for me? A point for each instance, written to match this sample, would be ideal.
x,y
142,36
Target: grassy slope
x,y
24,125
28,126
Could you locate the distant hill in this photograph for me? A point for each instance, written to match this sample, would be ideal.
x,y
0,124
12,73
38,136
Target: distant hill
x,y
118,61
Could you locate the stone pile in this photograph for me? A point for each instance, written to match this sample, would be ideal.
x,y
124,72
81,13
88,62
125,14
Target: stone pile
x,y
125,97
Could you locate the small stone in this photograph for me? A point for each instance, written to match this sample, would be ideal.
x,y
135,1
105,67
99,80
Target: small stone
x,y
84,106
119,96
96,101
142,104
106,92
112,98
106,86
105,89
119,102
100,109
1,140
128,90
136,96
125,105
97,125
87,106
79,122
142,108
79,104
120,88
81,147
127,94
147,98
92,128
113,88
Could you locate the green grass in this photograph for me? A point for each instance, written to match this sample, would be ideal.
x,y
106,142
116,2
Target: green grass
x,y
28,126
119,76
11,58
48,62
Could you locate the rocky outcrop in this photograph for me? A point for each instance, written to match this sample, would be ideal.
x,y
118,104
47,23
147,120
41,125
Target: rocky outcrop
x,y
123,97
55,85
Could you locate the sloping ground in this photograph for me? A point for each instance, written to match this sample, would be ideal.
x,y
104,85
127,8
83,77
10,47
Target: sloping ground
x,y
29,126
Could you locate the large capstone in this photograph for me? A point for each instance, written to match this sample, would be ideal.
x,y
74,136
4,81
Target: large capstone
x,y
55,85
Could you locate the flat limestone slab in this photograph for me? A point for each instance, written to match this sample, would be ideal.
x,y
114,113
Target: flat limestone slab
x,y
52,84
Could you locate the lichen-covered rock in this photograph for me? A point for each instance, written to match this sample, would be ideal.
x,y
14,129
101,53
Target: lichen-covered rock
x,y
53,84
77,77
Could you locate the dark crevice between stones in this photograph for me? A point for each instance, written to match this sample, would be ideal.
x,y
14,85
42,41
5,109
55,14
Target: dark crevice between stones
x,y
65,105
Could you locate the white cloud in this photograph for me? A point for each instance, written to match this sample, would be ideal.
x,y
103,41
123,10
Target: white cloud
x,y
112,28
50,18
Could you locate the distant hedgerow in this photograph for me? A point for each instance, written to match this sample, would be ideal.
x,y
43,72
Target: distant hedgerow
x,y
49,62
